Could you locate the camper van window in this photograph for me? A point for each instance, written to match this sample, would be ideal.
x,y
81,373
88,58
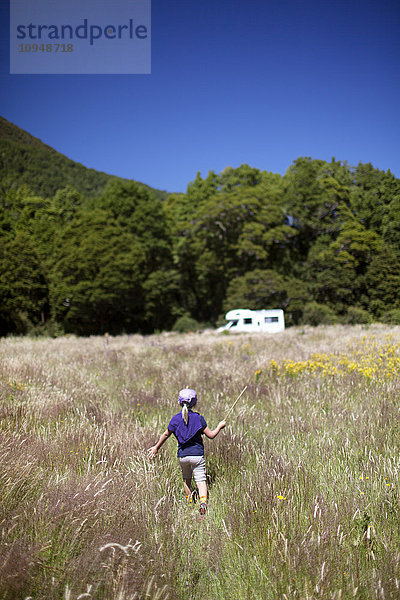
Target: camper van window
x,y
248,321
271,319
233,323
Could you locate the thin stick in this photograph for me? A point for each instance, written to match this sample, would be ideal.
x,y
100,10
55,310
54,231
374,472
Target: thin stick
x,y
236,401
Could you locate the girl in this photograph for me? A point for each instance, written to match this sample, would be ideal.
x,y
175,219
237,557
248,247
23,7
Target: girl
x,y
188,428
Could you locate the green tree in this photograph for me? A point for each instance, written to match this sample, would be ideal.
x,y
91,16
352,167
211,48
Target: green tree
x,y
96,282
331,275
23,288
242,177
200,190
113,267
67,203
162,295
371,195
362,244
335,269
256,290
297,295
383,282
138,212
224,226
317,199
391,225
212,244
267,240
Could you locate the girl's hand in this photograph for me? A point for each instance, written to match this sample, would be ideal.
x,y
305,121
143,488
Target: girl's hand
x,y
221,424
154,449
151,452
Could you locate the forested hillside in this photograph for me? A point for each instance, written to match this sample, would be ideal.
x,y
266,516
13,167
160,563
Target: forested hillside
x,y
25,159
87,253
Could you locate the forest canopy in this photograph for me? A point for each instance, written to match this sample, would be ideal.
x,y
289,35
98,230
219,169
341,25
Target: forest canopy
x,y
87,253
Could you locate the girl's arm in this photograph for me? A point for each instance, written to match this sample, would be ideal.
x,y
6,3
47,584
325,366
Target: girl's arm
x,y
163,438
213,433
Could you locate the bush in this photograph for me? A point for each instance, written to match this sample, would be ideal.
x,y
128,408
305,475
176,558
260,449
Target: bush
x,y
392,317
318,314
356,315
186,323
51,329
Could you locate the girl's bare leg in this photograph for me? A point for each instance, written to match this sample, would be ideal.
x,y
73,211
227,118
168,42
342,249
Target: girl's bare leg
x,y
202,487
187,486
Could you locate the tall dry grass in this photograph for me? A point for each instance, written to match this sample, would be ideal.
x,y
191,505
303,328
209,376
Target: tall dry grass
x,y
304,494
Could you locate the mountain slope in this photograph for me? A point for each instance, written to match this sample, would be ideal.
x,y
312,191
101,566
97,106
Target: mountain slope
x,y
26,160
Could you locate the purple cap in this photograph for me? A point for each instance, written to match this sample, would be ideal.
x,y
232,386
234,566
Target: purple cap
x,y
187,396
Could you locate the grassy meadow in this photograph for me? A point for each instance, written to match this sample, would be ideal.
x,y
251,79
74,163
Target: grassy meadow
x,y
303,481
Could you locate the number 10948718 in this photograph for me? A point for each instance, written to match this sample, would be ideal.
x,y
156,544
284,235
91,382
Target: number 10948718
x,y
45,48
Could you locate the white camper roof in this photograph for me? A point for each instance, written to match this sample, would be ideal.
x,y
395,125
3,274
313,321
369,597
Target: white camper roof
x,y
237,313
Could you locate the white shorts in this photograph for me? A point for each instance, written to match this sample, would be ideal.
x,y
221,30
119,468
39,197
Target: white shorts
x,y
193,466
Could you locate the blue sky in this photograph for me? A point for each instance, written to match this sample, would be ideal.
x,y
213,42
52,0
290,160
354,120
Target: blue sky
x,y
259,82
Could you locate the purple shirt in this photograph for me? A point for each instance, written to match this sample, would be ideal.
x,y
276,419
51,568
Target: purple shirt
x,y
190,442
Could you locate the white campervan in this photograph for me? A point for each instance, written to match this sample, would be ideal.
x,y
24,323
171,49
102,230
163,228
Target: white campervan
x,y
244,319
